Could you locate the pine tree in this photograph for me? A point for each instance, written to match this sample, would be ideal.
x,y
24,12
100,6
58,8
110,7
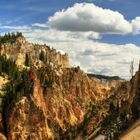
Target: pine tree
x,y
27,60
42,56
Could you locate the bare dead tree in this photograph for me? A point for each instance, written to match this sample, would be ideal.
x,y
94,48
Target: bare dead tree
x,y
132,68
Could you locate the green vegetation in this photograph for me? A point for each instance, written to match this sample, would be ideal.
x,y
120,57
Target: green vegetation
x,y
42,56
117,120
8,66
10,37
28,62
136,105
45,76
20,84
17,78
2,95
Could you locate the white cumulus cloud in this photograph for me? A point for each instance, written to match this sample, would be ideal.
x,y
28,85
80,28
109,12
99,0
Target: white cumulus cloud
x,y
89,17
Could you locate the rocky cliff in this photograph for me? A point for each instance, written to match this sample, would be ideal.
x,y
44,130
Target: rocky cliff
x,y
49,100
20,49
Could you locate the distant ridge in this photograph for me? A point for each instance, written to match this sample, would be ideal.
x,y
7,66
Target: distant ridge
x,y
98,76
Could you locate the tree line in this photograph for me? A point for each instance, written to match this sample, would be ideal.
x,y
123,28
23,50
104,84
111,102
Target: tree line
x,y
10,37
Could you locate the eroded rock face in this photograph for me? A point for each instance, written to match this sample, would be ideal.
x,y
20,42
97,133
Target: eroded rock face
x,y
57,111
27,121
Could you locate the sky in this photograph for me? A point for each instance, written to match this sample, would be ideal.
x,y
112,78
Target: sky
x,y
101,36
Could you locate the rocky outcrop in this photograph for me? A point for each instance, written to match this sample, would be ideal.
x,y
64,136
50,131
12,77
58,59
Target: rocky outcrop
x,y
27,121
18,50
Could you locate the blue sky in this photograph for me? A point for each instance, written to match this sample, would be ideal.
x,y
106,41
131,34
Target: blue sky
x,y
117,31
21,12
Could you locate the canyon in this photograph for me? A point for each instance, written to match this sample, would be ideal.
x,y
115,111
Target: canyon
x,y
45,98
